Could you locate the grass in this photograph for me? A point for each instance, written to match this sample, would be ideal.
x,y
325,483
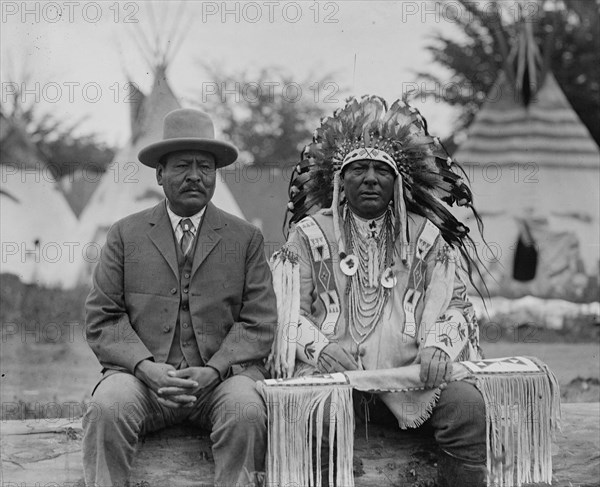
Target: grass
x,y
47,368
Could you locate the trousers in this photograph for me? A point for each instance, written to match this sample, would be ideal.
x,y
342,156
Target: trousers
x,y
457,421
123,408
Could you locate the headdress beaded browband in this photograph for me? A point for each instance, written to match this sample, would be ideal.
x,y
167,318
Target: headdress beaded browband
x,y
428,180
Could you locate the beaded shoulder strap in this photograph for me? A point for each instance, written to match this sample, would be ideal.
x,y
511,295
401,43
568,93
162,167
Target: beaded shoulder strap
x,y
416,282
323,276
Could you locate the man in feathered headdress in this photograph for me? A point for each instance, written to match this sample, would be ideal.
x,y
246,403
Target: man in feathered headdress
x,y
373,275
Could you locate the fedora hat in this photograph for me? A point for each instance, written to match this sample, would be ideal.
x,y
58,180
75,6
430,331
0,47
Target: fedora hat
x,y
188,129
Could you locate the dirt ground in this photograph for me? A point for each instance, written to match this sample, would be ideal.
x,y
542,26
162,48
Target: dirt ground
x,y
50,372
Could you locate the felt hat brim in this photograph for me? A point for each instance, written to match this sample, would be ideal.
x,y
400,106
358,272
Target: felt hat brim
x,y
223,152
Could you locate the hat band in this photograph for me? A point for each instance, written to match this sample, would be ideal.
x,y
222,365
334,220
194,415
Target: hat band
x,y
370,154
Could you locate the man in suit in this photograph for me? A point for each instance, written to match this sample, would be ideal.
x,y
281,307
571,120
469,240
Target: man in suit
x,y
181,317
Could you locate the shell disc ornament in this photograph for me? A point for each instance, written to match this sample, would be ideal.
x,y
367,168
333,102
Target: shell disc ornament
x,y
388,278
349,264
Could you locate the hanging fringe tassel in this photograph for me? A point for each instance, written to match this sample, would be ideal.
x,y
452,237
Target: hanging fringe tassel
x,y
522,413
439,292
522,402
401,223
295,431
335,208
373,263
286,283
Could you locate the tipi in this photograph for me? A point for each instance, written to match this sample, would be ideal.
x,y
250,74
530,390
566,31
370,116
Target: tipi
x,y
128,186
535,173
38,230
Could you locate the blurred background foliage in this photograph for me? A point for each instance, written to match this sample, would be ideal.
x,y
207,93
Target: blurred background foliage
x,y
267,114
567,33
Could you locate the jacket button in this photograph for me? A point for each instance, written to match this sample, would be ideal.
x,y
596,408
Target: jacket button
x,y
185,290
173,290
167,329
186,275
185,325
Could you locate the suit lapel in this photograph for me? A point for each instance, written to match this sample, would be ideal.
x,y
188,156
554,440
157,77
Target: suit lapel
x,y
161,234
208,238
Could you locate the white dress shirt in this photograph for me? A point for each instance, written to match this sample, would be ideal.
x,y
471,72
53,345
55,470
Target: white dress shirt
x,y
176,219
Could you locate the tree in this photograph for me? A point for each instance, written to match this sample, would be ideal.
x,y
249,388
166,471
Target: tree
x,y
67,152
567,31
267,115
55,139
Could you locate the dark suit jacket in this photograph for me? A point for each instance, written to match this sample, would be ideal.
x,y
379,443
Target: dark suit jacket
x,y
133,307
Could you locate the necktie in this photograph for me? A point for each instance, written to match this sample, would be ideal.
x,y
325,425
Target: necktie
x,y
188,235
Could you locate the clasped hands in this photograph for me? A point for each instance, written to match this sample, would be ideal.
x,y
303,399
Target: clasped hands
x,y
175,388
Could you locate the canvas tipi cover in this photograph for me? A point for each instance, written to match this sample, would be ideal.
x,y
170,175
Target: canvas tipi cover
x,y
38,230
535,174
128,186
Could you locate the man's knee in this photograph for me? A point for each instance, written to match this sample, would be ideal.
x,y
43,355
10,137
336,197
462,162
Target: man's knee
x,y
241,406
458,421
460,404
113,402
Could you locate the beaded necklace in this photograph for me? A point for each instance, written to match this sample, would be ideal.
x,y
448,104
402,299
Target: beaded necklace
x,y
371,241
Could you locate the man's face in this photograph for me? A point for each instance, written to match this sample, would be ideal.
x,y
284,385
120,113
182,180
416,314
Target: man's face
x,y
188,179
369,187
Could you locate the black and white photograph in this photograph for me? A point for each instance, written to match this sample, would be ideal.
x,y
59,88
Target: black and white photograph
x,y
311,243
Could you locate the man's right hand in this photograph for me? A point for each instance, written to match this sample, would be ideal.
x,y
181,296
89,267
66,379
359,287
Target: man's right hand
x,y
333,358
155,376
436,366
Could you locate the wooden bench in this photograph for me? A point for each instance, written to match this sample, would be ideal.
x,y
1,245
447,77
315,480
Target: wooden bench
x,y
48,453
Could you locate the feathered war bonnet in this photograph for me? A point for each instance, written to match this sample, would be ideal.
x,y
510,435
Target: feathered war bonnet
x,y
429,181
